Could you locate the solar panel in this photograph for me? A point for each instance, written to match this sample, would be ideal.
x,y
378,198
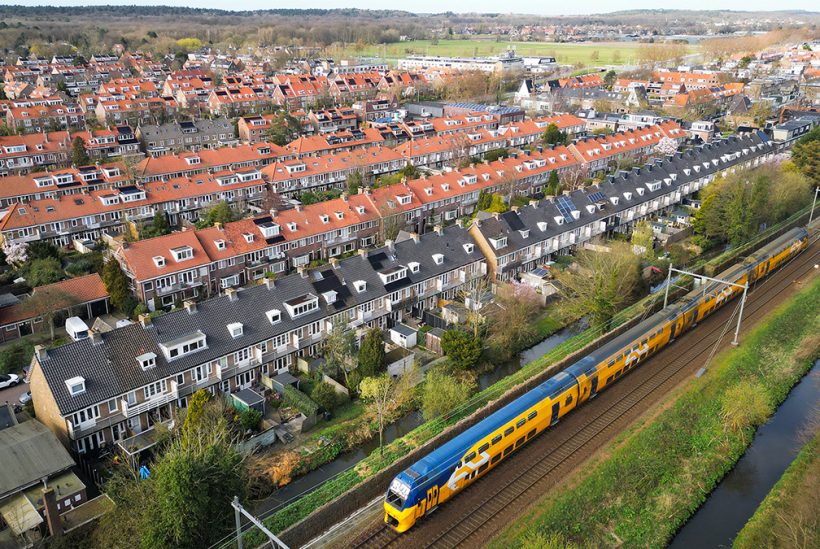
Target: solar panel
x,y
565,206
597,196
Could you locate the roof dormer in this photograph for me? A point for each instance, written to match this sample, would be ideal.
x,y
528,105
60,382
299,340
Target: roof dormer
x,y
248,237
147,360
438,259
235,329
182,253
75,385
159,261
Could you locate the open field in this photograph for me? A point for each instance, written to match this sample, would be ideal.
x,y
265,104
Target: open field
x,y
569,54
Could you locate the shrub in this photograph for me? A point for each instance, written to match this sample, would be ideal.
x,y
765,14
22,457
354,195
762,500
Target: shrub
x,y
300,401
325,396
745,405
250,419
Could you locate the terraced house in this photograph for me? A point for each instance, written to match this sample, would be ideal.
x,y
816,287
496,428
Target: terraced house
x,y
115,385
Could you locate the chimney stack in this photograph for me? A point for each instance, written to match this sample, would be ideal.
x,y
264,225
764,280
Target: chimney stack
x,y
534,203
334,262
232,294
438,230
41,353
415,237
390,245
363,253
218,226
55,525
460,222
190,306
145,320
302,271
96,337
273,213
269,282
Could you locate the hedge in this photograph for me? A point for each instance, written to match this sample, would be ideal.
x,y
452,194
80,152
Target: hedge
x,y
300,401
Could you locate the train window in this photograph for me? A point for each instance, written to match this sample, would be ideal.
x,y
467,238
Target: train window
x,y
531,434
507,450
469,457
611,362
644,342
520,422
483,448
520,441
483,468
532,414
496,439
495,459
569,400
619,357
509,431
609,380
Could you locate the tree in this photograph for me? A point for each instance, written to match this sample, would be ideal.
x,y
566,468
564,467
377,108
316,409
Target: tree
x,y
461,349
644,239
442,393
16,253
42,249
195,415
371,353
219,213
806,155
159,226
284,129
384,396
512,318
39,272
609,79
553,135
666,146
325,396
47,303
354,182
553,187
338,350
118,286
497,204
78,155
601,283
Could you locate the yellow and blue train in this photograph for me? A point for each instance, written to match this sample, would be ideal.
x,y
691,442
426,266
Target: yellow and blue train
x,y
439,475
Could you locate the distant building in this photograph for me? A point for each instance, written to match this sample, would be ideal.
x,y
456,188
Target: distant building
x,y
186,136
503,63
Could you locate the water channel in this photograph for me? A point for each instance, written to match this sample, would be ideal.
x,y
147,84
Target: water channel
x,y
738,495
404,425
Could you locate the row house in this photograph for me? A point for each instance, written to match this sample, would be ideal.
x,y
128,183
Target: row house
x,y
440,150
63,218
155,168
108,388
102,144
333,143
598,154
22,154
189,135
65,181
234,101
136,111
472,122
347,88
333,120
45,118
130,87
528,237
585,81
320,173
692,80
380,108
407,83
528,132
295,91
190,91
255,129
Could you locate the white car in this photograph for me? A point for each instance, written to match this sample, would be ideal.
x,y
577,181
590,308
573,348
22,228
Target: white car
x,y
9,380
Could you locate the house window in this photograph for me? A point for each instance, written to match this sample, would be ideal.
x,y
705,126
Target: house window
x,y
112,405
154,389
242,355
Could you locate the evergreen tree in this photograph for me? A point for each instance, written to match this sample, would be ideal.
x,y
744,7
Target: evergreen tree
x,y
371,353
117,285
553,184
553,135
78,155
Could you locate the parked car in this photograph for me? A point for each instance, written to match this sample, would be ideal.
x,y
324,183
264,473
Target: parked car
x,y
25,398
8,380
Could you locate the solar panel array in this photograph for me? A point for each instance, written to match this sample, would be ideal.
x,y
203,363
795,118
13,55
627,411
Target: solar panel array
x,y
597,196
565,206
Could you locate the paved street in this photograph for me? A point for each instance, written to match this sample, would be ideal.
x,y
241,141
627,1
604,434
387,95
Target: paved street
x,y
12,394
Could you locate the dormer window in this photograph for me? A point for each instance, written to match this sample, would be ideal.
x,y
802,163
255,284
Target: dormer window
x,y
292,227
235,329
75,385
220,244
360,209
182,253
269,229
303,305
469,247
340,215
438,259
159,261
183,345
498,242
192,160
248,237
414,266
360,285
329,296
525,233
404,199
542,226
147,360
274,316
324,218
393,274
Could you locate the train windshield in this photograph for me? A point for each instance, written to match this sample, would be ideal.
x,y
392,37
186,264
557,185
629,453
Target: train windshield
x,y
397,494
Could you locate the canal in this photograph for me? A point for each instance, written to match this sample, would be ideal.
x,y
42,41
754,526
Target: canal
x,y
738,495
402,426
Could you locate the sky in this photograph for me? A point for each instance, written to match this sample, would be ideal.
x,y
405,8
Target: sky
x,y
540,7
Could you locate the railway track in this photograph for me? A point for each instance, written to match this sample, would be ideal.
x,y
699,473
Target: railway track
x,y
475,515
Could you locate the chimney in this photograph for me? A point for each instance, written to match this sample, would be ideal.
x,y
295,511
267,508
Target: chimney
x,y
55,525
96,337
534,203
345,196
190,306
218,226
495,215
145,320
41,353
302,271
437,229
415,237
269,282
273,213
514,209
232,294
460,222
298,207
390,245
334,262
363,253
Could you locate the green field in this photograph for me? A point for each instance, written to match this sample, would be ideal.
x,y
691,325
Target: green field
x,y
600,53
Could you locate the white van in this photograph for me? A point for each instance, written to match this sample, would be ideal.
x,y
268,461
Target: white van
x,y
76,328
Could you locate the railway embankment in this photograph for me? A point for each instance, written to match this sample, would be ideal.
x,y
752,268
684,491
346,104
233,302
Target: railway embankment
x,y
648,483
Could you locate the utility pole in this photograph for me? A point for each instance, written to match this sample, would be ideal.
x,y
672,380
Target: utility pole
x,y
668,283
814,202
275,542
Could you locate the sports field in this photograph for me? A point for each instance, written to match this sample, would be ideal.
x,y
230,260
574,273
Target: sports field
x,y
597,53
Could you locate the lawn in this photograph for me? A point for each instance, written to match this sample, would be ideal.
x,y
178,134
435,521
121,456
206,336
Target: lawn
x,y
567,54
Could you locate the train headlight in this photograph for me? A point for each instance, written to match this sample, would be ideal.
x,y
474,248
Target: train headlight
x,y
400,488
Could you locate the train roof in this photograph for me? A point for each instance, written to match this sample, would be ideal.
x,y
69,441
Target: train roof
x,y
450,452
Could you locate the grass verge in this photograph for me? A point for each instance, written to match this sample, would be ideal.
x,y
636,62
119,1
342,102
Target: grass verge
x,y
788,516
649,484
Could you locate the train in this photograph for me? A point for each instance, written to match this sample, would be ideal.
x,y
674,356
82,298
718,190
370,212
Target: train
x,y
438,476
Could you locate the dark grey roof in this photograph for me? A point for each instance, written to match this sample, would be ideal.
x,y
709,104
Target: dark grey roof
x,y
28,452
175,129
110,368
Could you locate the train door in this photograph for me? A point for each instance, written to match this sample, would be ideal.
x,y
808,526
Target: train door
x,y
555,410
594,390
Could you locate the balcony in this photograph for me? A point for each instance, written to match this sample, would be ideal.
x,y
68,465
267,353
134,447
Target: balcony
x,y
238,368
177,287
154,402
